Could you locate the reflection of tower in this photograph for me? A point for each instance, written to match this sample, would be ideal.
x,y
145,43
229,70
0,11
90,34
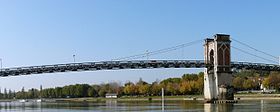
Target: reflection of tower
x,y
111,104
218,74
218,107
262,106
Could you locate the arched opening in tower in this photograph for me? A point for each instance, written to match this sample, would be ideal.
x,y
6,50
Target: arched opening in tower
x,y
212,57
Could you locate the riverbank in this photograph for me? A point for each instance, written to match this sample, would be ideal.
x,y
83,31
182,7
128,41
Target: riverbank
x,y
257,96
126,98
176,98
158,98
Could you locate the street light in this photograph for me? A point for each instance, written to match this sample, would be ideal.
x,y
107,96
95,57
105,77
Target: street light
x,y
74,58
147,54
1,65
279,60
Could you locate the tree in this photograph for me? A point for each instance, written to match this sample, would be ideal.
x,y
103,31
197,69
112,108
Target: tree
x,y
250,84
5,94
266,83
23,93
185,87
273,80
128,83
200,83
155,89
141,82
96,88
58,92
41,89
92,92
102,92
238,83
144,89
131,89
172,89
115,87
170,80
190,77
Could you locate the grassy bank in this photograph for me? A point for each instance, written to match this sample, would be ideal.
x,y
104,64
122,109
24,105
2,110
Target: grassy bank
x,y
170,98
258,96
158,98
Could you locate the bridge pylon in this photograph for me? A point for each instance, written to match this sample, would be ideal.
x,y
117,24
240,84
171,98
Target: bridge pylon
x,y
218,74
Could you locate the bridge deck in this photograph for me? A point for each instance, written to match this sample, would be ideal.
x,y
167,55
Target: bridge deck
x,y
135,64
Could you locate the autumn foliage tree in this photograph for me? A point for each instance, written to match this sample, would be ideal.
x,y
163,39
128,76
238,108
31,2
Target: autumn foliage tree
x,y
188,84
272,81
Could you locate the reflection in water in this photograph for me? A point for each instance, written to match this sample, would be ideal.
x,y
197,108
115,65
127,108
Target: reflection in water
x,y
218,107
111,104
145,106
262,106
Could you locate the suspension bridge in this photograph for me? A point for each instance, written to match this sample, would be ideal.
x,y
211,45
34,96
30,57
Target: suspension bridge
x,y
132,62
217,61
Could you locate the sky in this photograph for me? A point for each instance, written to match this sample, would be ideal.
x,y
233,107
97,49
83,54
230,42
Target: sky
x,y
40,32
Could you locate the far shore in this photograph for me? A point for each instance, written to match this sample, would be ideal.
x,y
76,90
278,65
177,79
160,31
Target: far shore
x,y
157,98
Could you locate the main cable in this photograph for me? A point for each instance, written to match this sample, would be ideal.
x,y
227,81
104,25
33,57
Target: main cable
x,y
142,55
254,55
255,48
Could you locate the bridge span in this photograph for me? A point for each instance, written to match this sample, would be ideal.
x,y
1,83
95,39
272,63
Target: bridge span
x,y
217,63
134,64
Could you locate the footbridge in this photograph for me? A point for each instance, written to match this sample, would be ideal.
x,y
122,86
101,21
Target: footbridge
x,y
133,64
217,64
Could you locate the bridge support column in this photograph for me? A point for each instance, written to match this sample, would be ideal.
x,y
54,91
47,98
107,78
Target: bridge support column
x,y
218,74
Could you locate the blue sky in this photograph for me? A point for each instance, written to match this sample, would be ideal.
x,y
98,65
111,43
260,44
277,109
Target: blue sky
x,y
36,32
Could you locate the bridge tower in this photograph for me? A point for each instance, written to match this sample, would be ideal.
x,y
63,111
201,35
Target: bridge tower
x,y
218,74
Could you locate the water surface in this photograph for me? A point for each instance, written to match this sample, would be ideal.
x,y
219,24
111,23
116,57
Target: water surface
x,y
143,106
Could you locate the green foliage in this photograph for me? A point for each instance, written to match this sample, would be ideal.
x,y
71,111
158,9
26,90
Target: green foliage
x,y
190,77
248,80
238,83
130,89
92,92
170,80
155,89
144,89
188,84
272,81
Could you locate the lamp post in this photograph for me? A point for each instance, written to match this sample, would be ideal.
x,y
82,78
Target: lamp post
x,y
162,99
147,54
74,56
1,65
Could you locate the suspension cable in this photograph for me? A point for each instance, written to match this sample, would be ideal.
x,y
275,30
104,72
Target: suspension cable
x,y
254,55
255,49
161,51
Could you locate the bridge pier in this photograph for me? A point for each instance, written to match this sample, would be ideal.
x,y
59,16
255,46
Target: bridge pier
x,y
218,74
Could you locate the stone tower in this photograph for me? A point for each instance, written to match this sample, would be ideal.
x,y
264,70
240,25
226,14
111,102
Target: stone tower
x,y
218,74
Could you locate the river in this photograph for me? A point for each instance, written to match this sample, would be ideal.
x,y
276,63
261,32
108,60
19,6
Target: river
x,y
146,106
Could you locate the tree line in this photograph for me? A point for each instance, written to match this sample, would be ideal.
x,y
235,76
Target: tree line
x,y
252,80
188,84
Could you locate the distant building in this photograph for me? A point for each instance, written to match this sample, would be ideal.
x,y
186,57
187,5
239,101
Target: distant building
x,y
111,95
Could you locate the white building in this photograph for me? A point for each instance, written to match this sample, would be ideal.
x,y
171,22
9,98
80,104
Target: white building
x,y
111,95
